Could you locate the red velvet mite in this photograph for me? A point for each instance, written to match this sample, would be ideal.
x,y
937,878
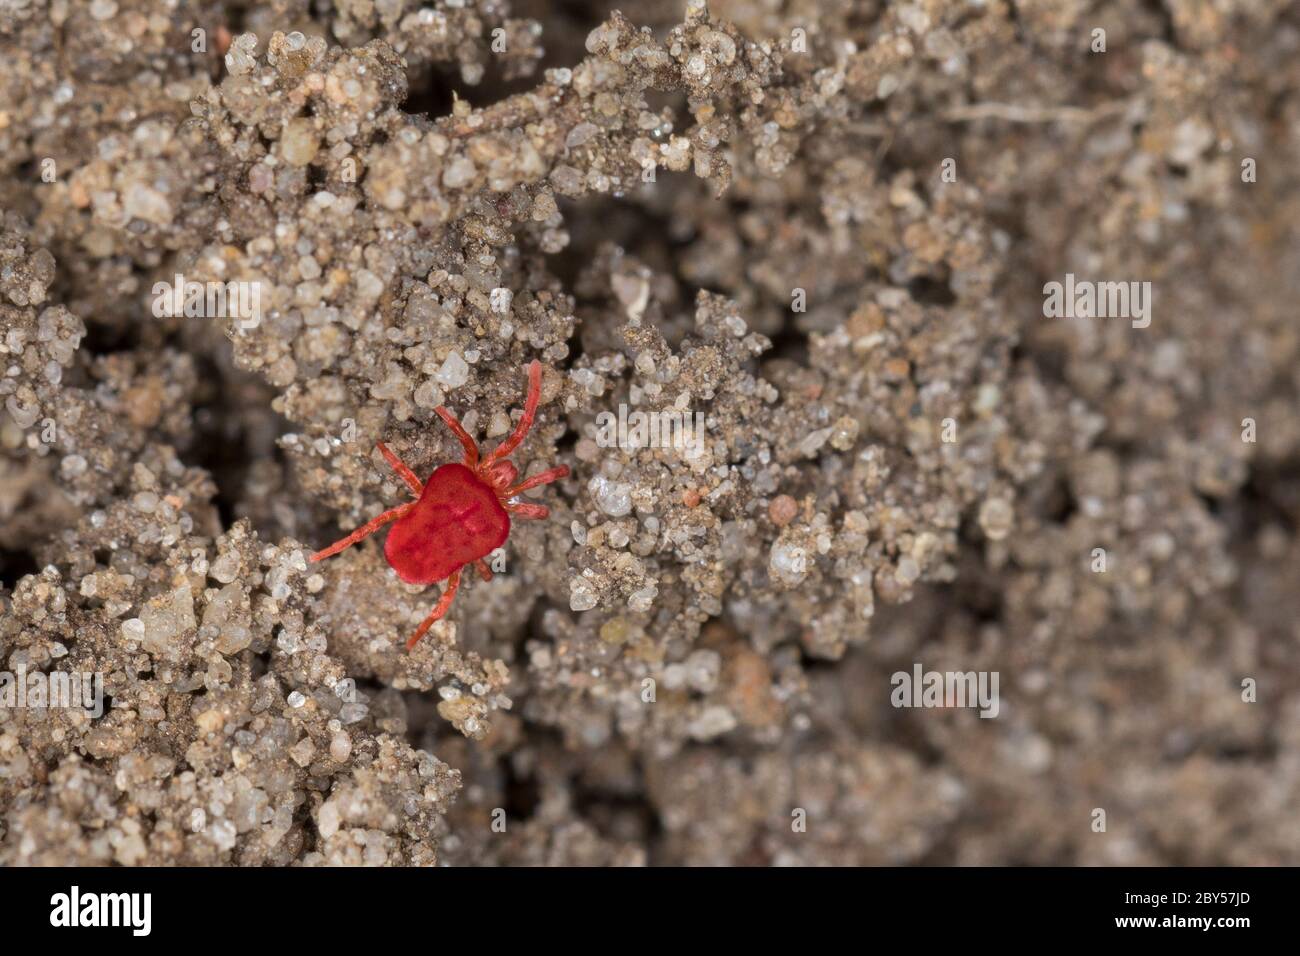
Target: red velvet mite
x,y
462,513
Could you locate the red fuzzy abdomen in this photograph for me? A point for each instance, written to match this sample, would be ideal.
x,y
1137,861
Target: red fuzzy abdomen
x,y
458,519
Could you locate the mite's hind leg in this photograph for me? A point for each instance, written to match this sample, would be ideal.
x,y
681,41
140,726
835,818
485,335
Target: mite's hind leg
x,y
535,512
399,466
369,528
438,611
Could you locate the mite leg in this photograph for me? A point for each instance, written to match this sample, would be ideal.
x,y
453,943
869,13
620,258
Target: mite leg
x,y
483,570
369,528
530,412
438,611
466,441
536,512
545,478
403,472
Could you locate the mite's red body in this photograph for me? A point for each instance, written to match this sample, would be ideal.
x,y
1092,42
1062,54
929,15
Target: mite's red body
x,y
462,513
457,520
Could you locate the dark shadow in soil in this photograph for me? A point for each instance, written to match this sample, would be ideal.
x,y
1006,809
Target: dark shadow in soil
x,y
14,565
